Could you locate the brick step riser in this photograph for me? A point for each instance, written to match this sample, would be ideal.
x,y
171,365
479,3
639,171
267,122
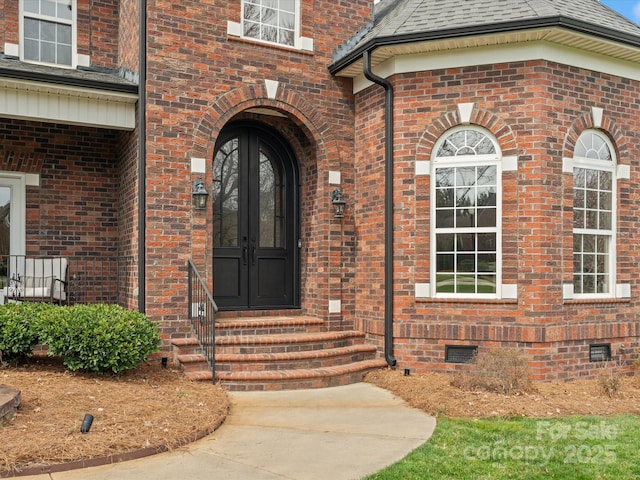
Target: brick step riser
x,y
295,384
195,367
186,351
222,331
223,366
284,348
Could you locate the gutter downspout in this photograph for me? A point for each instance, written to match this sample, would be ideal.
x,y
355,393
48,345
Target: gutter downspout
x,y
142,154
388,207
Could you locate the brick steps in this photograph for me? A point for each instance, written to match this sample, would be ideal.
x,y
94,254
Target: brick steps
x,y
279,352
299,378
294,342
268,326
291,360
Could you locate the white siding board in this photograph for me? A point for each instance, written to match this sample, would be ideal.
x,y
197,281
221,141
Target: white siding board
x,y
64,105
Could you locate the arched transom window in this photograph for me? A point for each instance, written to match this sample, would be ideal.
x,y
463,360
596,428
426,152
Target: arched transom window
x,y
466,193
594,180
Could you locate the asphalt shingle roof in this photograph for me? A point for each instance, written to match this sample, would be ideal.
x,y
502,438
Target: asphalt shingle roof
x,y
398,19
13,68
401,17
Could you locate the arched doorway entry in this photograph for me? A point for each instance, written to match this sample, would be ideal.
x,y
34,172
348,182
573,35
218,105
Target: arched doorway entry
x,y
255,220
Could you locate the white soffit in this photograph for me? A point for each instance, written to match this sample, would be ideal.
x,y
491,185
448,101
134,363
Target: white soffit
x,y
485,55
31,100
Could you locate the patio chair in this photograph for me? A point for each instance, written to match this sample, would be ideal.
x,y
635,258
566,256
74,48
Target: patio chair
x,y
38,280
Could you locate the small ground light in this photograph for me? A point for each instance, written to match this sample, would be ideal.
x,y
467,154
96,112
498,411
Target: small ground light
x,y
86,423
164,362
407,372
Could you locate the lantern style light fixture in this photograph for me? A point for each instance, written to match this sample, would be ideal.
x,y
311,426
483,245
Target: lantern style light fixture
x,y
337,199
199,194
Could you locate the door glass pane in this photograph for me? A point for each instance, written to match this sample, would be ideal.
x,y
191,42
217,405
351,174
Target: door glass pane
x,y
5,232
271,200
225,195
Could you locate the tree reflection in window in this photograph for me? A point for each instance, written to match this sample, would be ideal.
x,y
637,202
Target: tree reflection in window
x,y
271,200
466,191
593,215
226,195
270,20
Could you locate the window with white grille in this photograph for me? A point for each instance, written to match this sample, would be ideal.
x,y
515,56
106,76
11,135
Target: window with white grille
x,y
273,21
594,187
466,214
47,30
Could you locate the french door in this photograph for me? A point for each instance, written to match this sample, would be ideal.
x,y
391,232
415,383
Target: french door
x,y
255,220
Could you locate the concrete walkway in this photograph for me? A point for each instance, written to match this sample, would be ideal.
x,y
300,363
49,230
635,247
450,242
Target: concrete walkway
x,y
334,433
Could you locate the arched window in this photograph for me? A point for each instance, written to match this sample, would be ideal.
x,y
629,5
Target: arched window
x,y
594,200
466,213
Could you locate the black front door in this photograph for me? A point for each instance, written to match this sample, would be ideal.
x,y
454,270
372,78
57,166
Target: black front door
x,y
255,261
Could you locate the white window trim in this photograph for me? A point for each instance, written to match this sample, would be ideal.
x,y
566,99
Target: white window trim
x,y
581,162
17,182
235,29
74,34
462,161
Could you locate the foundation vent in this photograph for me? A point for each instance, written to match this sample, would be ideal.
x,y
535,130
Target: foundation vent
x,y
600,352
460,354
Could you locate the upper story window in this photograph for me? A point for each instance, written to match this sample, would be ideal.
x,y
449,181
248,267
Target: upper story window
x,y
47,31
594,187
274,21
466,213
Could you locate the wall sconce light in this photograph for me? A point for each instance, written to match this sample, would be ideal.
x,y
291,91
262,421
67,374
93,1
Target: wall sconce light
x,y
199,194
337,199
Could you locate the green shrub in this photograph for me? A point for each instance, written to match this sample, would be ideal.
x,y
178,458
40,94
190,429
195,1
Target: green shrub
x,y
100,337
19,328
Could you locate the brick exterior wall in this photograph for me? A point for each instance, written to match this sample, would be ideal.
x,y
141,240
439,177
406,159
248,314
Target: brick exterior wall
x,y
74,211
9,20
536,110
200,78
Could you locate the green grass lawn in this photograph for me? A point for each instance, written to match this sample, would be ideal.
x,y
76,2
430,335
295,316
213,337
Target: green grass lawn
x,y
575,448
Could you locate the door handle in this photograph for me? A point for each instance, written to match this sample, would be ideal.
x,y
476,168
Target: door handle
x,y
245,250
253,251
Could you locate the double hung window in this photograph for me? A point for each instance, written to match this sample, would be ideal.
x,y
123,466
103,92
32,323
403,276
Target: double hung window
x,y
594,187
273,21
466,193
47,31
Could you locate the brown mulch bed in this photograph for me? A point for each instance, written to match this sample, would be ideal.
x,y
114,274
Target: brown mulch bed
x,y
433,393
149,408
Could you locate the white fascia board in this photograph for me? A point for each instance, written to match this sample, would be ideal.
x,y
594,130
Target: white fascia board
x,y
47,102
486,55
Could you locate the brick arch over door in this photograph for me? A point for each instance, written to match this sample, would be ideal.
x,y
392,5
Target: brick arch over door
x,y
310,121
327,156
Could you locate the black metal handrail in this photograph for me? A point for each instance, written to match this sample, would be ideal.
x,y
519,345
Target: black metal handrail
x,y
202,316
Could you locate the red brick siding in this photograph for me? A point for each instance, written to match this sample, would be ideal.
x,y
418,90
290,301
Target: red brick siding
x,y
74,211
9,20
129,35
98,31
128,204
199,79
536,110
